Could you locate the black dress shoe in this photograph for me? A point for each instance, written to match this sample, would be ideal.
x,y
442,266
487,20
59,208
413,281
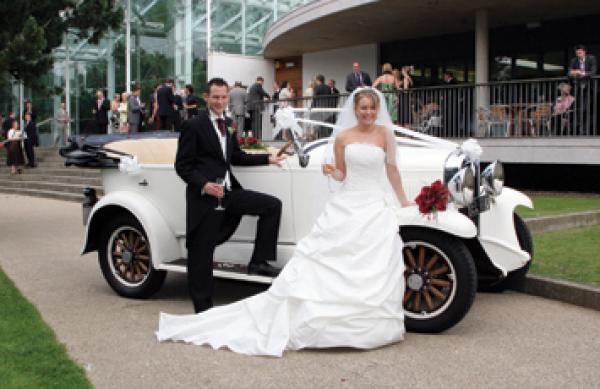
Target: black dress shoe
x,y
263,269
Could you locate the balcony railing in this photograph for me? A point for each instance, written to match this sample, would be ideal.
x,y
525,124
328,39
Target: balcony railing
x,y
556,107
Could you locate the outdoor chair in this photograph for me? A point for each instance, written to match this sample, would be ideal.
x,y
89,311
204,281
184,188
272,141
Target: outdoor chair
x,y
540,118
494,121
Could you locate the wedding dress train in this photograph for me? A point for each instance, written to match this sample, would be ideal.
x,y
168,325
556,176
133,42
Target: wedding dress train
x,y
343,287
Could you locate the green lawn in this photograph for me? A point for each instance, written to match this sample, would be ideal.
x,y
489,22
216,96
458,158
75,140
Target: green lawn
x,y
30,356
572,255
555,205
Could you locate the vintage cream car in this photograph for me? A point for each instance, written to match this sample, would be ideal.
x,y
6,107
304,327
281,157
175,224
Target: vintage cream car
x,y
138,226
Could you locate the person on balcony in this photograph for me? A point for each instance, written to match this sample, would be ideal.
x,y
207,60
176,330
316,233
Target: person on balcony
x,y
237,106
256,105
582,67
386,83
357,78
562,110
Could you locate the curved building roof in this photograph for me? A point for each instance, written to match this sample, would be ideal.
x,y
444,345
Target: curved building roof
x,y
328,24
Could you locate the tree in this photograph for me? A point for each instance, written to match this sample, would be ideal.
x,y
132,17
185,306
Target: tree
x,y
31,29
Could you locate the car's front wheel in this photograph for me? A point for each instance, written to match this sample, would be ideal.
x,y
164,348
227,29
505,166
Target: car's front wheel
x,y
441,280
125,258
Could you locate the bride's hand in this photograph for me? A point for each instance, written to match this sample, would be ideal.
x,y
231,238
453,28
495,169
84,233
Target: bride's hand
x,y
328,169
406,203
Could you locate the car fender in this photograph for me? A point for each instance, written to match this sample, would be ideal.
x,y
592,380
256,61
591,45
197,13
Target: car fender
x,y
163,241
497,233
450,221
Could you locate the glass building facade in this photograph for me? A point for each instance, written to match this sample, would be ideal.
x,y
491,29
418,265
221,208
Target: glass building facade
x,y
168,38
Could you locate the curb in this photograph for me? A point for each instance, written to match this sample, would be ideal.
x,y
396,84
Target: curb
x,y
569,292
561,222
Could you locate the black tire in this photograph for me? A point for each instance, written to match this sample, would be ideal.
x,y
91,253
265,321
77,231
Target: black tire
x,y
130,257
516,278
458,284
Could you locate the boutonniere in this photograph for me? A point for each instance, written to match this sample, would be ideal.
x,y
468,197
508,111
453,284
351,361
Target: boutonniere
x,y
233,128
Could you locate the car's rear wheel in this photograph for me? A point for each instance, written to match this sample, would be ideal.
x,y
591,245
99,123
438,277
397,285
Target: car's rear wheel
x,y
125,258
441,280
516,278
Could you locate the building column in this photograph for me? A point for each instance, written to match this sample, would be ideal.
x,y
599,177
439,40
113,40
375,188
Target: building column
x,y
110,72
481,61
189,52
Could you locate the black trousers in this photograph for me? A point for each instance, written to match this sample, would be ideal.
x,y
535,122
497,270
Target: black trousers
x,y
256,123
29,152
202,241
166,122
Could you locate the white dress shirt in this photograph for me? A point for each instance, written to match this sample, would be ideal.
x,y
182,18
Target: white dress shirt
x,y
222,141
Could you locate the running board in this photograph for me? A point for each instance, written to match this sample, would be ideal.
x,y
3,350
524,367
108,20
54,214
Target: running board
x,y
227,270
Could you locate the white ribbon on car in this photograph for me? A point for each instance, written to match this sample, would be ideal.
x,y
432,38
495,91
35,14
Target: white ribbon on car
x,y
129,165
471,149
284,119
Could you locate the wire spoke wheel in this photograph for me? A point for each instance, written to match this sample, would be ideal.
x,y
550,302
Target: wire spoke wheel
x,y
128,256
430,280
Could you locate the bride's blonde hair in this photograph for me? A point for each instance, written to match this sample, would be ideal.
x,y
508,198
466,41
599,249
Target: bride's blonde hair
x,y
369,93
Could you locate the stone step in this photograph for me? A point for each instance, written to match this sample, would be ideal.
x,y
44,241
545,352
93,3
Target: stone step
x,y
48,186
58,195
65,171
90,181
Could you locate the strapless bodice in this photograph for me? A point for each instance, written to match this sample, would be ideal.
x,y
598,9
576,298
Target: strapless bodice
x,y
364,167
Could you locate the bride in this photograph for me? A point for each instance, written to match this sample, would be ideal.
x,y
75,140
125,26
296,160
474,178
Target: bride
x,y
345,283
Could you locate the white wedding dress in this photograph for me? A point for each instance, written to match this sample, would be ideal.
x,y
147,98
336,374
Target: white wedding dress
x,y
343,287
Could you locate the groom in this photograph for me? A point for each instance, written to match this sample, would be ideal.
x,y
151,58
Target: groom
x,y
205,152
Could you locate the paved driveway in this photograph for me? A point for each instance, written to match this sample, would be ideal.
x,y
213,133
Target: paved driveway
x,y
508,340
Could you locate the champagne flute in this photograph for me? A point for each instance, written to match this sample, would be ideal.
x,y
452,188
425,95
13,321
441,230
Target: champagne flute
x,y
328,165
220,181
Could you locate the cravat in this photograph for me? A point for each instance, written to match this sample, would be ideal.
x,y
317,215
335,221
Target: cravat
x,y
221,126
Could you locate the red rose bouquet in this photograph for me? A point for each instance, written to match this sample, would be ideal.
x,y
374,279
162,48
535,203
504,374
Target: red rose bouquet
x,y
432,198
250,143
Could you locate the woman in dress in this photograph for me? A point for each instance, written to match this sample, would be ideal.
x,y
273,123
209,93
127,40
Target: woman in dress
x,y
345,283
14,149
387,84
114,112
122,109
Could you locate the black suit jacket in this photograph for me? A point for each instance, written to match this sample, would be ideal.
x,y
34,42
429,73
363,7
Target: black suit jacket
x,y
321,96
200,160
352,83
166,99
32,133
590,65
102,113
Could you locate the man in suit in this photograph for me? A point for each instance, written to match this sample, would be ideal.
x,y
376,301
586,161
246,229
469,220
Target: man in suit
x,y
178,115
7,123
205,152
191,102
357,78
166,105
256,96
322,99
31,140
100,111
582,67
134,109
237,105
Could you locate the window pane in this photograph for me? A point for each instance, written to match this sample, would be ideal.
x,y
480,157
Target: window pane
x,y
502,68
526,66
554,64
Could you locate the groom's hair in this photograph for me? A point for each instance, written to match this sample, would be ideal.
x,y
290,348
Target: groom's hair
x,y
217,81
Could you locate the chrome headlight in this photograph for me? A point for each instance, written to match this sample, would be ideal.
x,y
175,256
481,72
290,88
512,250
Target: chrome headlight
x,y
459,177
492,178
462,186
